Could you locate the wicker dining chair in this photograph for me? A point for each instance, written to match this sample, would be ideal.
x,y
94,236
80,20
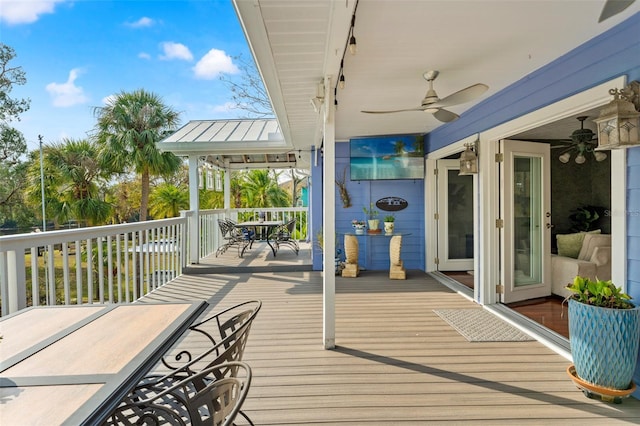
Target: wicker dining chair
x,y
212,397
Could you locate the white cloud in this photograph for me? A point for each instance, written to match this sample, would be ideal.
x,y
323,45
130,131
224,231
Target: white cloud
x,y
25,11
144,55
141,23
175,51
67,94
214,63
226,107
108,99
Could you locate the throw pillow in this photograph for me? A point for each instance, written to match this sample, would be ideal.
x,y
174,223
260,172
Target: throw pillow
x,y
569,245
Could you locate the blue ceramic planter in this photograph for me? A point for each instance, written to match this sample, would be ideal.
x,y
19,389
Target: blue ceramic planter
x,y
604,344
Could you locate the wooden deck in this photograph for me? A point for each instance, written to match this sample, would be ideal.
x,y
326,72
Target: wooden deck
x,y
259,258
396,361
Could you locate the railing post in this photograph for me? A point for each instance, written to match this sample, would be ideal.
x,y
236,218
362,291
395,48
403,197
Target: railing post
x,y
13,282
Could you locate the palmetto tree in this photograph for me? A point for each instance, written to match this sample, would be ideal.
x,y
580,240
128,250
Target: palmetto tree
x,y
73,181
167,200
260,189
128,127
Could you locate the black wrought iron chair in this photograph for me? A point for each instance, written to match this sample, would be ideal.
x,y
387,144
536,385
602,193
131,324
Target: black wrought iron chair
x,y
212,397
220,338
283,235
242,238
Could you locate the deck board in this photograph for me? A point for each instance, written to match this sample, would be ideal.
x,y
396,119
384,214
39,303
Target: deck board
x,y
396,362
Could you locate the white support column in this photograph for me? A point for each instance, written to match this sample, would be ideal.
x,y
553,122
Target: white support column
x,y
194,206
329,224
227,187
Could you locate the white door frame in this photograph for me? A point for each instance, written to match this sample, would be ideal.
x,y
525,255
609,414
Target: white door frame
x,y
444,263
486,246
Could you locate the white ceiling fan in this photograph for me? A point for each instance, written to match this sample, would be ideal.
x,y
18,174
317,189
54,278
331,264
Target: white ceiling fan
x,y
613,7
434,105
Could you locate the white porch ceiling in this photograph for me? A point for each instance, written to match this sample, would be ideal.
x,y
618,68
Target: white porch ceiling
x,y
297,43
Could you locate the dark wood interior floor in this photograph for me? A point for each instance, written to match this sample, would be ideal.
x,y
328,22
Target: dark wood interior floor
x,y
547,311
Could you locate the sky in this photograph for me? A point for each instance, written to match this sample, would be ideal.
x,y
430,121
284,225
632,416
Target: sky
x,y
78,53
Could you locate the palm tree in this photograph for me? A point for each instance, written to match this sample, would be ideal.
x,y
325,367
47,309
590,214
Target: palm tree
x,y
73,180
128,127
167,200
261,189
398,147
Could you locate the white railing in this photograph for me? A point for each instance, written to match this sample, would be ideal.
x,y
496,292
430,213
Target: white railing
x,y
283,214
103,264
211,238
114,263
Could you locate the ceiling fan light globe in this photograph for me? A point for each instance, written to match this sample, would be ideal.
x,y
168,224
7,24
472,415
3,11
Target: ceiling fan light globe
x,y
600,156
580,159
564,158
431,110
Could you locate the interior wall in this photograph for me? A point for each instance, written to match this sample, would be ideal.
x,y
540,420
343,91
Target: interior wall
x,y
577,185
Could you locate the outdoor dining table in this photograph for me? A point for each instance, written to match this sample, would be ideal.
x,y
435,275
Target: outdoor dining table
x,y
265,226
73,364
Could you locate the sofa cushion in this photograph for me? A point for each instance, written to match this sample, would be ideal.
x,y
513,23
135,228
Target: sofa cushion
x,y
569,245
591,241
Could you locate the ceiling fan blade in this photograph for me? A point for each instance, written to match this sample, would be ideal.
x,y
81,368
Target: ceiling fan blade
x,y
613,7
445,116
565,141
461,96
393,110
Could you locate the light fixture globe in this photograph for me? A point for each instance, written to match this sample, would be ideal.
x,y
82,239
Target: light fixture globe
x,y
600,156
564,158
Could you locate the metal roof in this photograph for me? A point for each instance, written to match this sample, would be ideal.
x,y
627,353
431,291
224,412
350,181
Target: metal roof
x,y
235,143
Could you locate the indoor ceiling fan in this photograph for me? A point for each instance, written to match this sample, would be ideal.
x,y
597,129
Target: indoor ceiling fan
x,y
434,105
582,142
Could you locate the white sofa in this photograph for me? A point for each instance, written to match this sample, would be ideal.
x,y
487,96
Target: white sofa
x,y
594,261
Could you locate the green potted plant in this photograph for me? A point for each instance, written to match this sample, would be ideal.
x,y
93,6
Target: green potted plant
x,y
389,223
372,217
604,332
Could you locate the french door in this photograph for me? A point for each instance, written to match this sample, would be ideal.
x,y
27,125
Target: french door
x,y
525,202
455,218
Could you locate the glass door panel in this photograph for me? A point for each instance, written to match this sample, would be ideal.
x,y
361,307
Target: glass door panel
x,y
527,235
455,217
525,206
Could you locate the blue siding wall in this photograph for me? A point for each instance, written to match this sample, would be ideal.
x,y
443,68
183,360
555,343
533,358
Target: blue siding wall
x,y
374,250
316,207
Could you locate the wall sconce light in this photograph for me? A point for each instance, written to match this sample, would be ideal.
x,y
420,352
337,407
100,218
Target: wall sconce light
x,y
318,100
619,120
469,159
